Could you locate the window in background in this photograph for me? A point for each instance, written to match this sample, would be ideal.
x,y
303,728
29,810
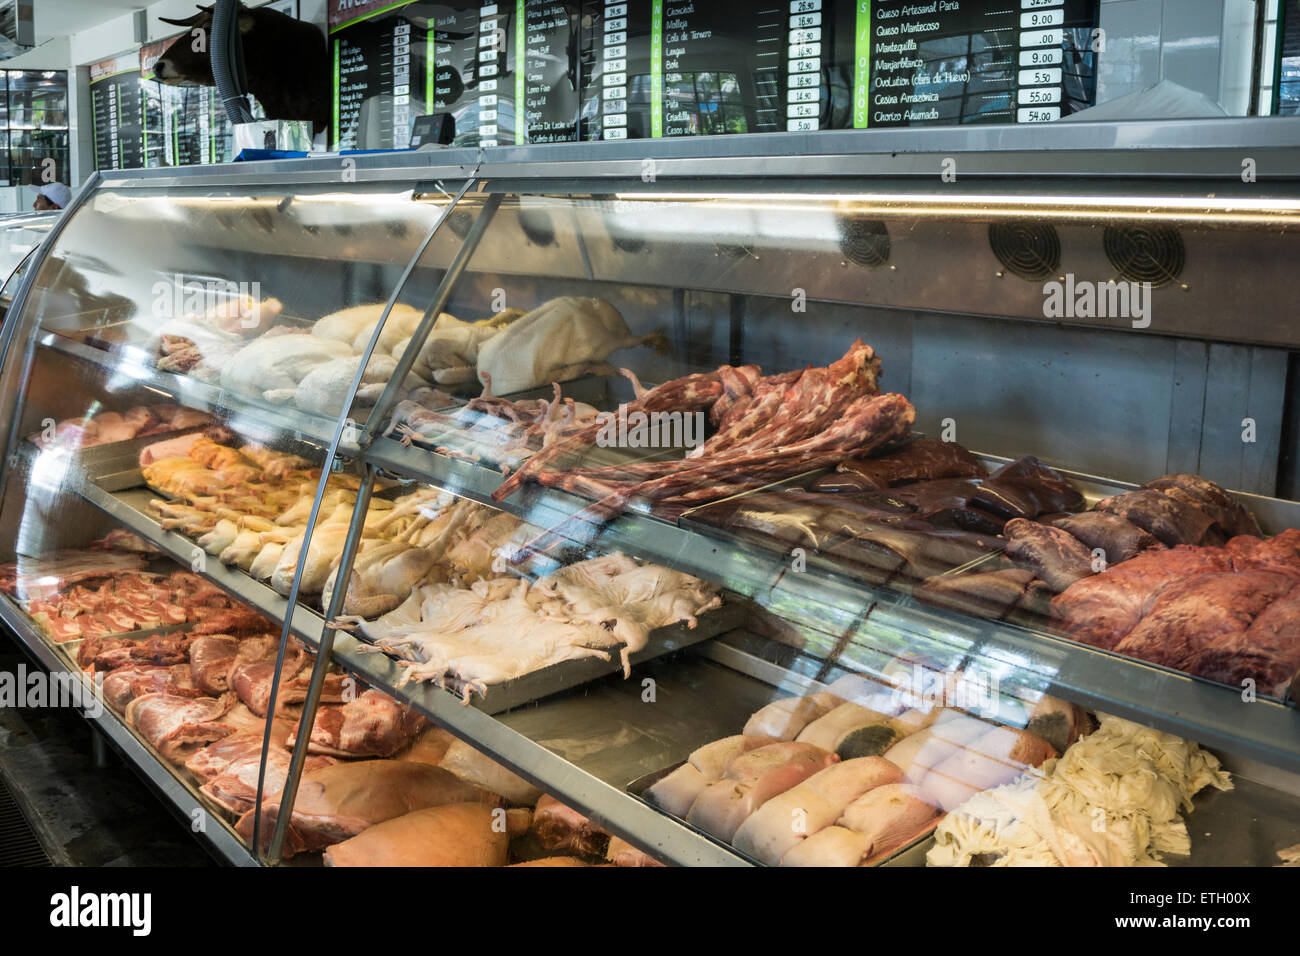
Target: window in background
x,y
35,125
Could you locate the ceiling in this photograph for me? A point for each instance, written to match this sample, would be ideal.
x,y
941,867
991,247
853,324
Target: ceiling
x,y
61,17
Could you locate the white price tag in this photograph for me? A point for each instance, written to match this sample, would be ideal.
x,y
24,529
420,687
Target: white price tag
x,y
1039,94
618,23
810,95
1041,57
1042,114
800,50
805,6
616,119
1043,18
615,133
802,109
487,85
614,79
801,125
615,38
616,52
804,80
616,66
806,66
1040,77
804,20
812,35
1042,38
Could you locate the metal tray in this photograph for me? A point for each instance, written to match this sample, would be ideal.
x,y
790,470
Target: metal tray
x,y
905,855
569,674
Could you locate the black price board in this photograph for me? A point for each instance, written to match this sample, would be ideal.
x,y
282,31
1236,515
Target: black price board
x,y
546,71
539,71
959,61
379,80
118,115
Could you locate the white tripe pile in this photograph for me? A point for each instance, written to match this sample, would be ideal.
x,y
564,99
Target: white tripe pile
x,y
1113,799
501,628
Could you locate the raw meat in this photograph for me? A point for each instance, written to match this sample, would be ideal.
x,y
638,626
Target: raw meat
x,y
714,758
1280,554
750,781
1193,614
676,791
475,768
373,725
784,719
1052,491
991,594
1229,514
1103,609
1268,652
556,341
559,827
1054,555
235,788
785,820
277,362
919,753
1168,519
830,846
177,726
465,834
995,758
890,816
1117,538
342,800
211,657
924,459
826,732
622,853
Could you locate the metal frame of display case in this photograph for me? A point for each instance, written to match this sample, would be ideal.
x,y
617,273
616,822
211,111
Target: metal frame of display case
x,y
1166,699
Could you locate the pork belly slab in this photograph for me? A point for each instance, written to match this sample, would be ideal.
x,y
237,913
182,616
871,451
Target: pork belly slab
x,y
178,726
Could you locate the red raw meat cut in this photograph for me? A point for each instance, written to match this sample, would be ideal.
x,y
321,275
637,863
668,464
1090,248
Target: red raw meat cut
x,y
1268,653
211,657
177,726
1103,609
1280,554
373,725
1054,555
1192,614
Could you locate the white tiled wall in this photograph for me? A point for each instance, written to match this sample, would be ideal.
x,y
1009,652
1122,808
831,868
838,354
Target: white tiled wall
x,y
1204,45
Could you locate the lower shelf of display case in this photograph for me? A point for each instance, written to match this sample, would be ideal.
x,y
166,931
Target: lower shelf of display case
x,y
215,833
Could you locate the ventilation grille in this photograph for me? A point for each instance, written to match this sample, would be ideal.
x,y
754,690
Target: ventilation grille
x,y
1029,250
863,241
18,844
1154,254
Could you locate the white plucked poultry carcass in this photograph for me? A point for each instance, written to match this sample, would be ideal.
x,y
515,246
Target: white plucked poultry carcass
x,y
327,386
450,353
383,574
346,325
276,362
559,340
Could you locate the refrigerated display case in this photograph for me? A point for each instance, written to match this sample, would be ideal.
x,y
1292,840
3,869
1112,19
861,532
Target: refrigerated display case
x,y
896,478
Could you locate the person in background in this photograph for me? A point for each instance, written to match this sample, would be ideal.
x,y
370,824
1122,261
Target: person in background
x,y
52,196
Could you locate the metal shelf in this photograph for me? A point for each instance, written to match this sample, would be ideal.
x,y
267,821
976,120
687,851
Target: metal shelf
x,y
863,627
251,418
224,841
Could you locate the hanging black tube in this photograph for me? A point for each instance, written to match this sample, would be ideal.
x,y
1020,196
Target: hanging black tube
x,y
227,54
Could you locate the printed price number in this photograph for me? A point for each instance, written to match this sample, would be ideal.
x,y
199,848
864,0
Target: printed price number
x,y
805,6
1044,18
804,125
1043,57
1044,94
1040,77
1042,38
805,20
1038,4
1042,114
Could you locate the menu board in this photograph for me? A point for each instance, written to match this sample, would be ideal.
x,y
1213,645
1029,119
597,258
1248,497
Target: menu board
x,y
538,71
117,112
957,61
377,73
546,85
